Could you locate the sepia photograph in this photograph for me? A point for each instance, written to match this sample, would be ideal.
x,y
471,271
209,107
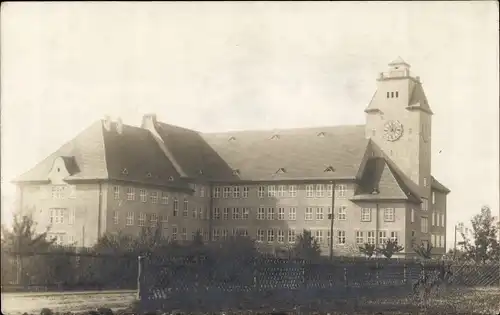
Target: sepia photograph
x,y
257,157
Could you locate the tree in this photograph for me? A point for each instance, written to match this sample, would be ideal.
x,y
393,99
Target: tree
x,y
389,248
22,238
423,250
367,249
307,247
485,246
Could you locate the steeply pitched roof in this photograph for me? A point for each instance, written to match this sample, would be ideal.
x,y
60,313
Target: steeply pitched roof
x,y
303,153
418,100
398,61
435,184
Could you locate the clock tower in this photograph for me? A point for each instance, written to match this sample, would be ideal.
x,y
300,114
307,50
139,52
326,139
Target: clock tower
x,y
398,120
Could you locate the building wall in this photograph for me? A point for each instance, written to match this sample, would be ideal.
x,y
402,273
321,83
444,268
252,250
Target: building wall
x,y
438,208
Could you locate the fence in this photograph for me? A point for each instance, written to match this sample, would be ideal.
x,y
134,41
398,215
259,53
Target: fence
x,y
205,283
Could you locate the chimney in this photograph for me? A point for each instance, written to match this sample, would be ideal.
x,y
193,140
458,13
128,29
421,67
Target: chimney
x,y
119,125
148,120
107,123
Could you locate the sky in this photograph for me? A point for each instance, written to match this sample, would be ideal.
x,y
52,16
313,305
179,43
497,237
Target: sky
x,y
219,66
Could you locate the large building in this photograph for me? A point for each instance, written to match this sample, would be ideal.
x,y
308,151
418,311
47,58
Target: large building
x,y
270,185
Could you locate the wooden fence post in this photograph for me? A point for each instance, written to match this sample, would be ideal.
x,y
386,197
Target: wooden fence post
x,y
140,278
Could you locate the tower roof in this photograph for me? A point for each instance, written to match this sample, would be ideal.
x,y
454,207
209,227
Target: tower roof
x,y
398,61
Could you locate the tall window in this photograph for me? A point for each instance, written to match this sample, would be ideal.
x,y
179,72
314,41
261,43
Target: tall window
x,y
236,192
224,234
320,190
359,238
425,204
281,213
291,236
185,210
341,237
142,219
412,215
174,233
292,191
216,192
309,191
262,191
195,212
116,191
164,198
342,213
442,220
164,221
154,197
433,198
389,214
261,213
424,224
394,236
184,234
281,191
246,213
245,191
226,192
216,213
319,213
225,214
309,214
292,214
57,215
71,216
115,217
154,220
341,190
130,193
144,197
271,192
330,190
433,222
202,191
57,192
281,236
130,218
319,236
382,237
270,213
261,235
176,207
371,237
366,214
236,213
270,235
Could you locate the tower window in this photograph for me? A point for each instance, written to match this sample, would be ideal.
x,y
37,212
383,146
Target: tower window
x,y
388,94
397,94
392,94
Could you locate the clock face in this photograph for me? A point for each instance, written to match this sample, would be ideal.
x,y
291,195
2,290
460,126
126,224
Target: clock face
x,y
393,130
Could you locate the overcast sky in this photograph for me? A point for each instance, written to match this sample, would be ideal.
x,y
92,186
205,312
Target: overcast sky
x,y
227,66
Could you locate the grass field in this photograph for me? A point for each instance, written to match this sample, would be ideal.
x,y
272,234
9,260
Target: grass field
x,y
464,301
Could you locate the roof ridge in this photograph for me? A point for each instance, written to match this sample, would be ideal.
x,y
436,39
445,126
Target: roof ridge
x,y
283,129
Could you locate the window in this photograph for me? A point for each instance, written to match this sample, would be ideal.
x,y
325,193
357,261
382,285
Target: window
x,y
116,217
205,236
341,189
397,94
382,237
270,236
424,225
392,94
186,208
270,213
236,192
366,214
130,193
261,214
142,219
130,218
164,221
174,233
433,222
224,234
433,240
260,235
425,181
57,215
154,197
433,198
71,216
236,213
215,235
388,93
184,234
225,214
319,213
328,237
319,236
200,213
57,192
226,192
271,192
116,191
281,236
359,238
320,190
292,214
246,213
309,191
425,204
371,237
216,213
216,192
202,191
413,233
164,198
329,188
292,191
262,191
442,220
389,214
412,215
154,219
342,212
245,192
291,236
176,207
281,213
341,237
195,213
57,237
143,194
281,191
309,214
